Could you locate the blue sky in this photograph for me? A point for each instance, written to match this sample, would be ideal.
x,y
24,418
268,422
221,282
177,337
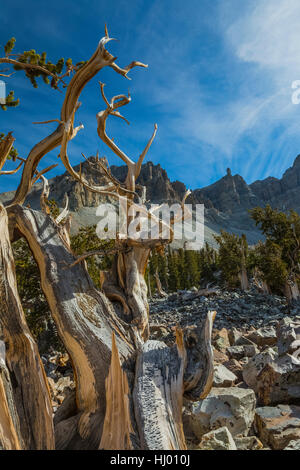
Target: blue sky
x,y
218,83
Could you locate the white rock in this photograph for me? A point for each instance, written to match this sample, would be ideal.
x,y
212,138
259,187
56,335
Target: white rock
x,y
232,407
219,439
293,445
255,366
264,336
223,377
248,443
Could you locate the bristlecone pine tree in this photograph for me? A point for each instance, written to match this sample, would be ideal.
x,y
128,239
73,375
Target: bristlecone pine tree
x,y
129,389
281,268
232,258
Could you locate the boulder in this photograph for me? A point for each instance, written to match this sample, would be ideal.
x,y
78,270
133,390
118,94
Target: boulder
x,y
255,365
235,367
274,379
232,407
238,352
244,340
279,381
220,340
219,439
219,357
248,443
277,426
233,336
265,336
293,445
288,333
223,377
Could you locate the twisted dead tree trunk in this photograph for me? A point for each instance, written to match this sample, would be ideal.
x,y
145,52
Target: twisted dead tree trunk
x,y
29,386
25,416
129,390
10,434
86,321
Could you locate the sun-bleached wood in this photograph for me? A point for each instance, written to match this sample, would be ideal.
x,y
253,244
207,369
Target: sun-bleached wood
x,y
10,435
129,390
117,422
158,394
31,392
85,321
100,59
199,371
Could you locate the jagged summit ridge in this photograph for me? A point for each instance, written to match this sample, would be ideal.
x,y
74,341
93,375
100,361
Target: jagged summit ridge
x,y
226,201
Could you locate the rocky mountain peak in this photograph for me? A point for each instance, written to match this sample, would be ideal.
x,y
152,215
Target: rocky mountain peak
x,y
227,201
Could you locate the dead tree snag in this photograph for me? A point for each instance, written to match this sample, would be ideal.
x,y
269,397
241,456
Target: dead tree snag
x,y
119,403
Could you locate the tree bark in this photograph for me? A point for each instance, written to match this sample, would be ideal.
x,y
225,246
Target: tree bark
x,y
158,394
30,387
119,402
117,426
85,321
10,435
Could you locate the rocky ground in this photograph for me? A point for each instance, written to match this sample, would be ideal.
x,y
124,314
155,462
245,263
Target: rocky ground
x,y
239,309
60,377
255,400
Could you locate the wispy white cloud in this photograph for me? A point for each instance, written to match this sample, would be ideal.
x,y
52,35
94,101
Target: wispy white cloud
x,y
218,83
253,128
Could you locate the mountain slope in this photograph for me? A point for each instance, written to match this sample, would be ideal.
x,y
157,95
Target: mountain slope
x,y
226,201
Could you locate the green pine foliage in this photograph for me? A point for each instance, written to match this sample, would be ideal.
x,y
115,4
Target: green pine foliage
x,y
53,207
208,264
173,270
182,269
232,253
278,258
9,46
282,229
10,101
266,259
50,75
87,240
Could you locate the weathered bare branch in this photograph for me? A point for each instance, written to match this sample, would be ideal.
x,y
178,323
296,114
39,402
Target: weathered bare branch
x,y
100,59
144,153
44,195
5,147
185,215
11,172
64,212
101,129
108,190
38,174
94,253
199,372
102,85
127,69
47,122
7,75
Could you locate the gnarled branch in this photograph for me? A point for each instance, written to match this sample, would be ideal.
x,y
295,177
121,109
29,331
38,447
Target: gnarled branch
x,y
64,212
100,59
